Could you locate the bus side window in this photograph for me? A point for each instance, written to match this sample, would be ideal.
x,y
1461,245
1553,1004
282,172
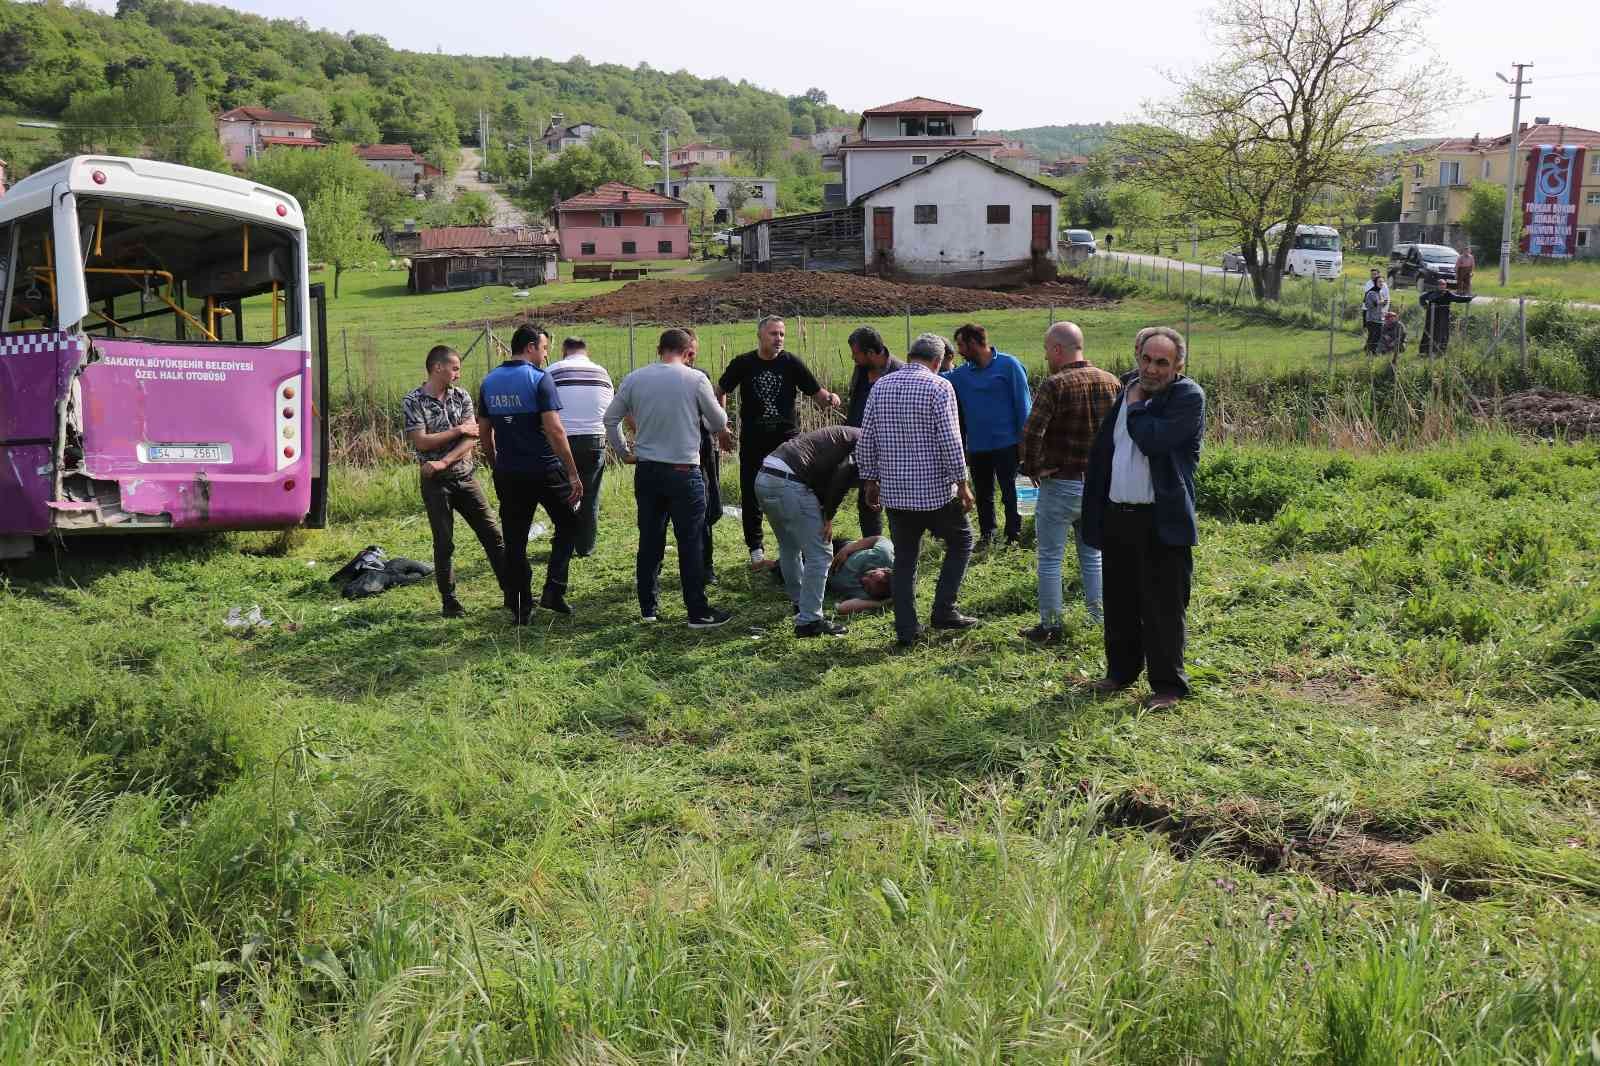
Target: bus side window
x,y
7,254
31,289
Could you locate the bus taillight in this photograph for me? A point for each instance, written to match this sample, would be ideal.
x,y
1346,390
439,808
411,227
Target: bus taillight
x,y
288,422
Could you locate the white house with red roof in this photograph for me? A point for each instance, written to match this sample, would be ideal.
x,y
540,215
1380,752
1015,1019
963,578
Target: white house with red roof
x,y
700,152
400,161
617,221
896,139
246,132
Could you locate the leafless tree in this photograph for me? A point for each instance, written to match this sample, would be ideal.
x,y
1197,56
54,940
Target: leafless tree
x,y
1299,94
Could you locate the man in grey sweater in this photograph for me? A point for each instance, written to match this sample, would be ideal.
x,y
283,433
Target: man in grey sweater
x,y
668,402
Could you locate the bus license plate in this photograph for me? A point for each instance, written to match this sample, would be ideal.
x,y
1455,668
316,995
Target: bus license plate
x,y
186,453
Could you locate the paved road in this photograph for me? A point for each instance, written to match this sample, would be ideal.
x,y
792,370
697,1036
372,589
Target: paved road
x,y
466,179
1162,263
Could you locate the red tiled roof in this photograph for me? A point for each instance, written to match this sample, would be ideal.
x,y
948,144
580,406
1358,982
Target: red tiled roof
x,y
294,142
1536,134
618,194
449,237
922,105
921,142
401,152
700,146
263,114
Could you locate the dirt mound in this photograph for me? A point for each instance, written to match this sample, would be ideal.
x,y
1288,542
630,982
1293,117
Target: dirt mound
x,y
799,292
1550,414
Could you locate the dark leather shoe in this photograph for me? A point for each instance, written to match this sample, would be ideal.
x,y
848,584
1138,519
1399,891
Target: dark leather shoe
x,y
1157,701
452,608
554,601
1042,634
820,628
1107,686
955,620
902,642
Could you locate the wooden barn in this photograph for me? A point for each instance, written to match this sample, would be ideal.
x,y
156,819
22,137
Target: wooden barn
x,y
467,257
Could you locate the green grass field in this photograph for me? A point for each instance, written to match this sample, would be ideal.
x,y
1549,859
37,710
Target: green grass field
x,y
388,331
368,834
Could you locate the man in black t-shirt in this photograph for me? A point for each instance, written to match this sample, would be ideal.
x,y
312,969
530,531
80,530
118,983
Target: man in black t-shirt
x,y
768,380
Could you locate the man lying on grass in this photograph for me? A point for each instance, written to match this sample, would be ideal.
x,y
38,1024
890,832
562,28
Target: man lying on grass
x,y
862,573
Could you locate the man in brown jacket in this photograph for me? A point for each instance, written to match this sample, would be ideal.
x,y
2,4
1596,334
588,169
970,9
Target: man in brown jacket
x,y
1068,407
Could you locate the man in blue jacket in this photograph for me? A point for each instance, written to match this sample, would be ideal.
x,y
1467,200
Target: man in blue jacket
x,y
992,389
1138,509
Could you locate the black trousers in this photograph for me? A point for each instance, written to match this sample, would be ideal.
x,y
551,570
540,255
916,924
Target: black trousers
x,y
906,528
589,452
1374,336
521,495
986,467
871,519
1147,595
754,446
443,498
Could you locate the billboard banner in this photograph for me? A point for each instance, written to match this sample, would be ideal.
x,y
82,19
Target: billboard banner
x,y
1550,200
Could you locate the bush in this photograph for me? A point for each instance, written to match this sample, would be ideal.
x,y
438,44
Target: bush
x,y
1244,487
1575,656
1439,612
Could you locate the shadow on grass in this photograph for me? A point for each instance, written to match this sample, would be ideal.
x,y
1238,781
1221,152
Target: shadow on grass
x,y
80,561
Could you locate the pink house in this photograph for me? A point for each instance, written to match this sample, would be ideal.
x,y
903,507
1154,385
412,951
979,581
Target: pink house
x,y
619,222
246,132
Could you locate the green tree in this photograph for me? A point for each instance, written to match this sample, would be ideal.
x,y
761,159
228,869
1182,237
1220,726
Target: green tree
x,y
305,102
759,130
1386,207
678,121
339,232
1289,108
1485,219
308,175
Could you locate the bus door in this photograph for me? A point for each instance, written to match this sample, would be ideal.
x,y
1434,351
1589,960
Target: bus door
x,y
317,516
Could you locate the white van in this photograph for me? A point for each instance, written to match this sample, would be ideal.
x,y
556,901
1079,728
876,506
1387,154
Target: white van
x,y
1316,252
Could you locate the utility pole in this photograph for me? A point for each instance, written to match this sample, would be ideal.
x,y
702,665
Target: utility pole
x,y
666,166
1511,167
530,151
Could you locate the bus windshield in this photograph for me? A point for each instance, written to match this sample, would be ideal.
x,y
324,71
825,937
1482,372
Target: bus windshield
x,y
1316,242
159,272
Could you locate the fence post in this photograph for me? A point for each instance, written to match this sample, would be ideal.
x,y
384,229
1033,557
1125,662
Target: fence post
x,y
908,327
1188,329
1522,334
349,384
488,348
1332,312
630,345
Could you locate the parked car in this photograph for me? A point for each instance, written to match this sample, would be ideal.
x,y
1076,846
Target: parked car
x,y
1428,265
1233,261
1080,241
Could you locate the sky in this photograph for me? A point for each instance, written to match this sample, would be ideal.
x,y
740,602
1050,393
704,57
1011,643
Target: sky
x,y
1025,63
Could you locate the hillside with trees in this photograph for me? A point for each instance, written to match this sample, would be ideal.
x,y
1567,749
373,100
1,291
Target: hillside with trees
x,y
1058,142
154,73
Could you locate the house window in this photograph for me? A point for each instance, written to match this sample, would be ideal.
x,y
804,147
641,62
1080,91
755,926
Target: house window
x,y
1416,171
912,126
1486,168
1592,198
941,126
1594,165
758,192
652,218
610,218
1371,239
1449,173
1583,238
664,247
919,160
586,248
925,214
721,215
999,215
629,247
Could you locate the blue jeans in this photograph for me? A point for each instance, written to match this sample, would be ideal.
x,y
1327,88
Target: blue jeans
x,y
803,553
663,491
1061,505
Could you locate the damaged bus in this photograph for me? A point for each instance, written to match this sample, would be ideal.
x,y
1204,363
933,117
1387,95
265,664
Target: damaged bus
x,y
163,364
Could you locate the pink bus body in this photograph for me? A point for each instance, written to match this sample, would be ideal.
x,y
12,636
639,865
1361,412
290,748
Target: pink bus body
x,y
124,403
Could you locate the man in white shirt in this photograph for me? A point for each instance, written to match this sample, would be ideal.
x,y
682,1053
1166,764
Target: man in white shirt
x,y
1138,509
585,390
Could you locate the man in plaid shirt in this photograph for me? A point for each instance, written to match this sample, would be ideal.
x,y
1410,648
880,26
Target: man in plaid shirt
x,y
1068,408
911,464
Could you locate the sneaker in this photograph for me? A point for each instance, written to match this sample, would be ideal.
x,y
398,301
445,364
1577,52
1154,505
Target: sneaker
x,y
647,615
452,608
820,628
757,556
1043,634
954,620
554,601
713,618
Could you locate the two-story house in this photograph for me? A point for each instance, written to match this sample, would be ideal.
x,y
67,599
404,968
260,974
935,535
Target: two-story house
x,y
558,137
760,194
619,222
700,152
1436,180
400,161
901,137
246,132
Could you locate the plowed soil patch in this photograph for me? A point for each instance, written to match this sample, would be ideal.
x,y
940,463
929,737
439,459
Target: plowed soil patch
x,y
797,292
1549,414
